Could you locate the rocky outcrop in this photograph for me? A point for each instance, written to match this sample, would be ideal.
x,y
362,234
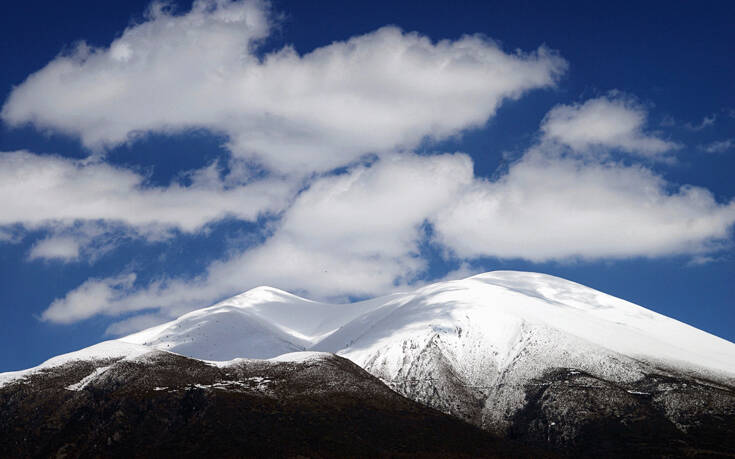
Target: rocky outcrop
x,y
574,412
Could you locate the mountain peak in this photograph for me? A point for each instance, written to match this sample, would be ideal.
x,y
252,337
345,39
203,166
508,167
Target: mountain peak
x,y
500,308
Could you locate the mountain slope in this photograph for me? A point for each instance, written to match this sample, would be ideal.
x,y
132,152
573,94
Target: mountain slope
x,y
515,353
471,347
501,309
159,404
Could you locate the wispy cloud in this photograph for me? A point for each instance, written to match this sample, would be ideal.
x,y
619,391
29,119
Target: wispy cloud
x,y
10,234
706,122
719,146
82,241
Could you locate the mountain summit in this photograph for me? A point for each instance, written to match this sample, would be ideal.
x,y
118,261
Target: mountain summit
x,y
497,311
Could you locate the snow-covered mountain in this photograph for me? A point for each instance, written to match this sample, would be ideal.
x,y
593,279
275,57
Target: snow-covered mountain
x,y
495,312
478,348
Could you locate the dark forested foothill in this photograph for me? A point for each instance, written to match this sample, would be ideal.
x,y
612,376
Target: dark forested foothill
x,y
168,405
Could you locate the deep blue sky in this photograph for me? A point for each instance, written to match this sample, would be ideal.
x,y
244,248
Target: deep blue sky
x,y
675,58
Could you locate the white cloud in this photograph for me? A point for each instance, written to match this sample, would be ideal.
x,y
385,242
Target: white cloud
x,y
56,248
82,240
358,233
10,235
701,260
668,121
613,122
378,92
54,192
92,297
351,234
550,207
719,146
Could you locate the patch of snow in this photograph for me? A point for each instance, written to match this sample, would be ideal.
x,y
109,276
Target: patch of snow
x,y
87,379
254,383
227,363
298,357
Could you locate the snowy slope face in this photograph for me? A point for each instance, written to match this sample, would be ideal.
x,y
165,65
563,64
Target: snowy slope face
x,y
471,347
499,310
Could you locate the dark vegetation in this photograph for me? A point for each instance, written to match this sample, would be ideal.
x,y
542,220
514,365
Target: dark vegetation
x,y
173,406
166,405
661,416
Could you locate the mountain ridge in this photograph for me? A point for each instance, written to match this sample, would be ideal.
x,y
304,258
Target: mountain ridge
x,y
265,322
265,302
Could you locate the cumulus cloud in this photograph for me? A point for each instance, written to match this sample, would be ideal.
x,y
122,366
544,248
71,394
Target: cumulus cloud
x,y
92,297
358,233
375,93
604,123
41,191
556,207
88,206
350,234
382,91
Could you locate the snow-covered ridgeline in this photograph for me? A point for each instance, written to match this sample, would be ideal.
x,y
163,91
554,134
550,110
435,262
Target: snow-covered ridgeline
x,y
483,326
